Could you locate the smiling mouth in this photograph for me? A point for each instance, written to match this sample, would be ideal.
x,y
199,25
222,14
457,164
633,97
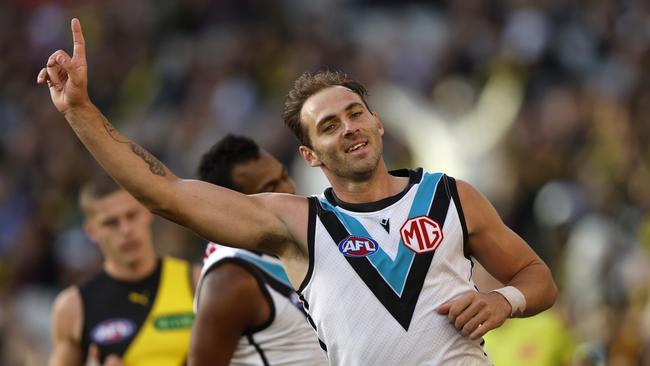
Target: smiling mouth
x,y
356,147
130,246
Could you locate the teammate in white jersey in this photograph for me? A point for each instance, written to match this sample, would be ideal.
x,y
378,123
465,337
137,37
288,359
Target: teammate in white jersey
x,y
339,134
247,313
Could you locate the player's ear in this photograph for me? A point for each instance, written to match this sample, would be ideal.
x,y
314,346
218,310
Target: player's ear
x,y
90,230
310,156
380,125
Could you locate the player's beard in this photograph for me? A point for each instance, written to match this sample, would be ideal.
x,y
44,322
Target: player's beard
x,y
353,168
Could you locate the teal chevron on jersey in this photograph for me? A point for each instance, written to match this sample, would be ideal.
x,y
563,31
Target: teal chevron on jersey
x,y
394,272
273,269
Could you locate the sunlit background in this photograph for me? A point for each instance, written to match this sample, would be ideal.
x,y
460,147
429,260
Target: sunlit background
x,y
542,105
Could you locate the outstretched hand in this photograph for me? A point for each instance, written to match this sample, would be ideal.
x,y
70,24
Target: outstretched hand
x,y
474,313
67,77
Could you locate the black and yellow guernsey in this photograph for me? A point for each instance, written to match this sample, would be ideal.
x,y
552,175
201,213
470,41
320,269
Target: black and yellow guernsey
x,y
146,323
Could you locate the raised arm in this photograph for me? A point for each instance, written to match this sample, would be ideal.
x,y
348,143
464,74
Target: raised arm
x,y
266,222
507,257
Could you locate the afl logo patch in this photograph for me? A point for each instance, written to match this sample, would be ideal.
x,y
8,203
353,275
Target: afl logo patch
x,y
358,246
112,331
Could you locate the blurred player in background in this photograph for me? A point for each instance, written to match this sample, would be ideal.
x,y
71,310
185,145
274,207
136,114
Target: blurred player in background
x,y
247,313
138,309
362,254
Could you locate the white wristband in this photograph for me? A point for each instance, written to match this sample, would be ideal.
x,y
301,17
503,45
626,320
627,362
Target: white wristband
x,y
515,298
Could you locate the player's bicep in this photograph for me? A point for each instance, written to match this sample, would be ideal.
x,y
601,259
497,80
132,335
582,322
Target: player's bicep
x,y
229,305
500,250
65,354
66,329
227,217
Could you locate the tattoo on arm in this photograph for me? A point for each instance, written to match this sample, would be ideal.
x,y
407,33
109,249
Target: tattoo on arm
x,y
155,166
112,132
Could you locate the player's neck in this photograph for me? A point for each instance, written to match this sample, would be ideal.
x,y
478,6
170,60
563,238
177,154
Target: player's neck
x,y
133,271
377,187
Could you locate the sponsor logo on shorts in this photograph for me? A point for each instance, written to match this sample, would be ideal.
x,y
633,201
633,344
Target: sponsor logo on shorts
x,y
174,321
112,331
358,246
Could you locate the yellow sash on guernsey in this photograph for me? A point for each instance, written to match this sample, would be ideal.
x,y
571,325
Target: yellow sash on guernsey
x,y
164,337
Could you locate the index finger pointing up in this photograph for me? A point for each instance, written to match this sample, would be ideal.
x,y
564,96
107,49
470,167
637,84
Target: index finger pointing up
x,y
79,45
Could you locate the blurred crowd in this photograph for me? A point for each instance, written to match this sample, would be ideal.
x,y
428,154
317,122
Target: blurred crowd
x,y
543,105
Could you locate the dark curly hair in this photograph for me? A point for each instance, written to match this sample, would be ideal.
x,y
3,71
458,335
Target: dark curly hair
x,y
217,164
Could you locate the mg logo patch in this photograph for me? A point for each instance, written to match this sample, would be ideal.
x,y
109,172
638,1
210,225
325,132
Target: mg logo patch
x,y
358,246
112,331
421,234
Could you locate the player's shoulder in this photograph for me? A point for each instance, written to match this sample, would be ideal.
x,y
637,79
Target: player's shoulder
x,y
67,310
228,261
421,175
467,192
424,172
69,297
231,277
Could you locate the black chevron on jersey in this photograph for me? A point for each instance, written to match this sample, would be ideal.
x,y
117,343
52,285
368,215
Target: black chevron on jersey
x,y
400,307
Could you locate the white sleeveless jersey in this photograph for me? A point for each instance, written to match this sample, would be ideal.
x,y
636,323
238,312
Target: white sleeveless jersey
x,y
378,271
288,338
